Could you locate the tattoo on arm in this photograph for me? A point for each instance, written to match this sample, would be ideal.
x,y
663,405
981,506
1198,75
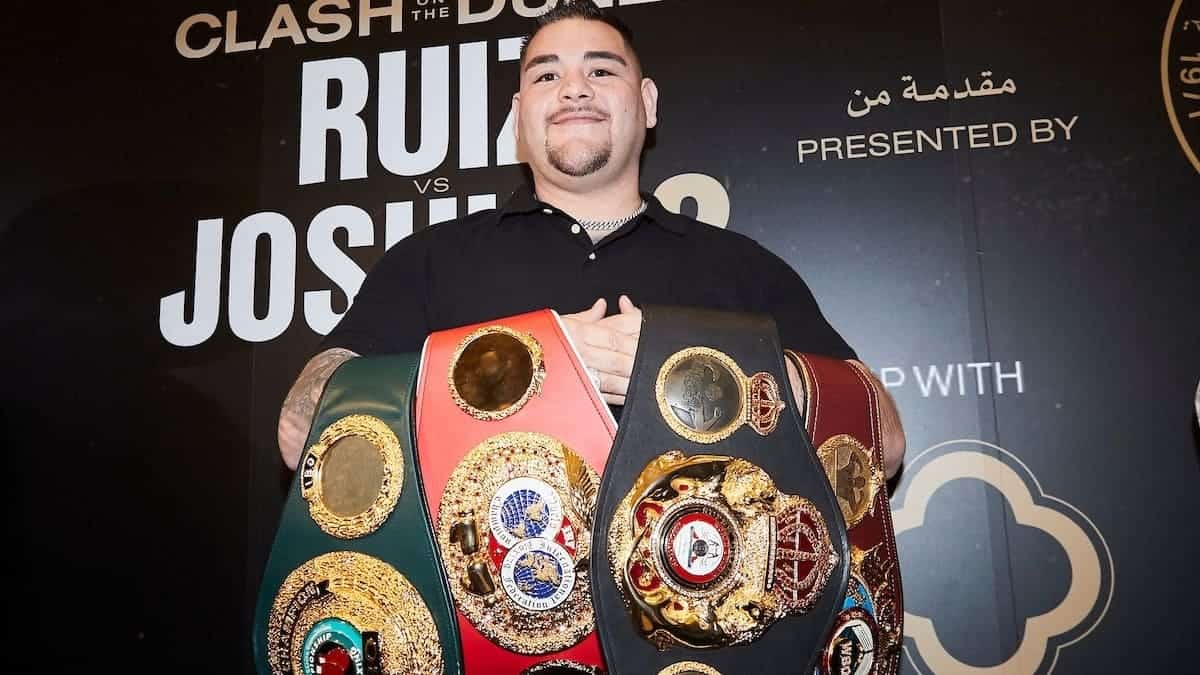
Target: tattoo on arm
x,y
301,401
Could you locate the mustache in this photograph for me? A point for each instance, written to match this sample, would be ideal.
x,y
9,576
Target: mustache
x,y
562,113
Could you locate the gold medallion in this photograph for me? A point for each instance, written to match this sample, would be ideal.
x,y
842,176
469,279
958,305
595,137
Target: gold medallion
x,y
495,371
561,667
708,552
514,528
853,475
352,476
355,608
689,668
704,396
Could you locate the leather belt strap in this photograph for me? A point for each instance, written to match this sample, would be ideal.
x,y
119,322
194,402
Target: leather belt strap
x,y
353,583
842,418
716,528
512,437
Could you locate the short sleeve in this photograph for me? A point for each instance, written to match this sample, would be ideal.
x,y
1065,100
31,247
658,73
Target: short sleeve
x,y
802,325
389,313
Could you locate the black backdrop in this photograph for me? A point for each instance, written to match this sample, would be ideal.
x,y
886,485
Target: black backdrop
x,y
1031,304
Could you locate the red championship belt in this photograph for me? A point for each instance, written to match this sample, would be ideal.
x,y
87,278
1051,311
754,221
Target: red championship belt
x,y
841,416
512,437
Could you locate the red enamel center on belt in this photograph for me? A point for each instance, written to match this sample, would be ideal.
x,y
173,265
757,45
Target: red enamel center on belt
x,y
335,661
697,548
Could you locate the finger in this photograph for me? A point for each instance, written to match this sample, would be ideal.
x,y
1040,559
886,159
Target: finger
x,y
629,324
613,400
603,337
613,385
626,306
591,314
608,361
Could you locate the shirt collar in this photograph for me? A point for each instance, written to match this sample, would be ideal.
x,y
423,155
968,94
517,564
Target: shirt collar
x,y
522,201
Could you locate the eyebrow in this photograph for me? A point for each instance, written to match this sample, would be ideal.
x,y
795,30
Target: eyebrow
x,y
539,60
610,56
587,56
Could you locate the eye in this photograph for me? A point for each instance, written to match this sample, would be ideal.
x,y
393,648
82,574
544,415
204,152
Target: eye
x,y
602,72
546,77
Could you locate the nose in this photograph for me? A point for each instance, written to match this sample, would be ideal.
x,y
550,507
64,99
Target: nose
x,y
575,87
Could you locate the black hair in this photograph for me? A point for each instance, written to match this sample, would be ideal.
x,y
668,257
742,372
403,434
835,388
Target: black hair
x,y
580,9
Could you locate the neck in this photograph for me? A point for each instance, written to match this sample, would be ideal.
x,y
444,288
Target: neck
x,y
603,202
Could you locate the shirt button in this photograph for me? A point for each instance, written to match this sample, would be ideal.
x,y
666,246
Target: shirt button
x,y
575,229
591,256
547,211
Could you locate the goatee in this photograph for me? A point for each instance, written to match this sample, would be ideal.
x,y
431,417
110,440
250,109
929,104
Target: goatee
x,y
581,164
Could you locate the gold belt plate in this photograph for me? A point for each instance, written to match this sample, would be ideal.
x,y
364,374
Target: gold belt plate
x,y
363,591
494,372
514,528
853,474
352,476
704,396
708,553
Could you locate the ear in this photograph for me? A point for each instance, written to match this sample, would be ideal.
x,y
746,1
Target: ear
x,y
650,101
516,116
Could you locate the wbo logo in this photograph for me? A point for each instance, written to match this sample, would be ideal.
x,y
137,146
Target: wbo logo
x,y
1092,573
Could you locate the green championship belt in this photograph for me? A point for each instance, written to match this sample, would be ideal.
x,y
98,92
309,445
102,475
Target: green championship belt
x,y
353,584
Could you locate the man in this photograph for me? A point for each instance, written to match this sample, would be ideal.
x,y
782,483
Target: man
x,y
584,237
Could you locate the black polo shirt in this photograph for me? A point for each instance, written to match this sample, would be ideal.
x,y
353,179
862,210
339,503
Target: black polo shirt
x,y
527,255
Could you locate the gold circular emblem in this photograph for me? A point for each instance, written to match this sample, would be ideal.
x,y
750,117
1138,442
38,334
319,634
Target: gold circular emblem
x,y
352,476
704,396
514,528
852,474
689,668
561,667
708,553
365,595
1180,72
701,394
495,371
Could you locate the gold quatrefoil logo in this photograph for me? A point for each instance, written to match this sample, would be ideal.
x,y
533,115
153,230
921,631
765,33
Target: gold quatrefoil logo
x,y
1086,600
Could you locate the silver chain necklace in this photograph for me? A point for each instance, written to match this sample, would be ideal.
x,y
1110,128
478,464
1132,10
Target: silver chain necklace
x,y
606,225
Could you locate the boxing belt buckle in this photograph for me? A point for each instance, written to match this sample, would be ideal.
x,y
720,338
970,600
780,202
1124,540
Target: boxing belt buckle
x,y
842,418
352,584
704,396
512,436
714,521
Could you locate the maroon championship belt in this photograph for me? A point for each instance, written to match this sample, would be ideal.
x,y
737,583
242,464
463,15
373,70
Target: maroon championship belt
x,y
512,437
841,415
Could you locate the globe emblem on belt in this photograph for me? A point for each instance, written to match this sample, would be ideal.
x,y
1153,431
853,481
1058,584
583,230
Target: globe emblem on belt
x,y
524,508
538,574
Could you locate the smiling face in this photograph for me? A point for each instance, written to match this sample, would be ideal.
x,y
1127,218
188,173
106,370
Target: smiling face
x,y
583,109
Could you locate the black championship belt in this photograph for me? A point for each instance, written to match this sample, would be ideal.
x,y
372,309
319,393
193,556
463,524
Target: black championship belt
x,y
718,546
353,583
